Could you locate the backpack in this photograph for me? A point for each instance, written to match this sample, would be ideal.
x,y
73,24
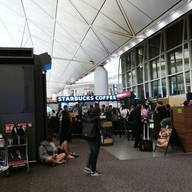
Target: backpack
x,y
18,130
89,128
18,133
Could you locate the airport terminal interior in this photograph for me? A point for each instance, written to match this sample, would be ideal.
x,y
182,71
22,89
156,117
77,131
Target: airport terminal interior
x,y
83,52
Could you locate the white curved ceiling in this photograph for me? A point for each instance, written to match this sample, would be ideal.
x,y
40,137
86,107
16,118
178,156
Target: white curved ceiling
x,y
75,32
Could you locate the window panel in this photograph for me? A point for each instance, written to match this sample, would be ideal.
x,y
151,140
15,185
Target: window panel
x,y
186,57
140,74
176,85
187,79
123,63
190,23
140,92
132,59
134,91
140,55
123,80
129,79
175,61
163,72
147,90
155,69
133,77
154,46
146,68
156,89
174,35
128,61
149,61
164,87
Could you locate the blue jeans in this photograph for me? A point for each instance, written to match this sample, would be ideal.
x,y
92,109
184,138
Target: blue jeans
x,y
94,146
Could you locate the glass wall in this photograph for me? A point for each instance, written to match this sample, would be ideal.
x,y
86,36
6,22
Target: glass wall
x,y
175,61
161,65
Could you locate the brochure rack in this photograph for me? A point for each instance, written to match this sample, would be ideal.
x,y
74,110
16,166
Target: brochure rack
x,y
17,153
3,160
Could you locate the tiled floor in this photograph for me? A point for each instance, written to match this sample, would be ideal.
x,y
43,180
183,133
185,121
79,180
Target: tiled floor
x,y
124,150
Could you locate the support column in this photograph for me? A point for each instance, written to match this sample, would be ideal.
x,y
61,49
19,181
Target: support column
x,y
101,83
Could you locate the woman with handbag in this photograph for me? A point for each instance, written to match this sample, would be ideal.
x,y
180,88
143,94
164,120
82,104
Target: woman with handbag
x,y
94,143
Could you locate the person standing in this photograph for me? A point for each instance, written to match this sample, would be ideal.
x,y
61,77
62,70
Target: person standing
x,y
144,118
59,117
124,112
66,125
168,110
115,117
94,144
89,111
137,124
102,109
160,113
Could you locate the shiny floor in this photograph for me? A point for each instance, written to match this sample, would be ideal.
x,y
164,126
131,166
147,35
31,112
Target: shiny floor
x,y
123,149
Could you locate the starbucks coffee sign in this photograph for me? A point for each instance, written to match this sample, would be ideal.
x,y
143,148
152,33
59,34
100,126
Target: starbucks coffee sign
x,y
86,98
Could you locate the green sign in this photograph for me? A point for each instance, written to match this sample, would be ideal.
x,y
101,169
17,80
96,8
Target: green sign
x,y
179,110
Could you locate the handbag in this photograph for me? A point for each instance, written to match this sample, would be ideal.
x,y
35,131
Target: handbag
x,y
88,128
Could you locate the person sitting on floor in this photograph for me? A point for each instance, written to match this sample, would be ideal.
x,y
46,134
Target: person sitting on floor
x,y
63,148
46,153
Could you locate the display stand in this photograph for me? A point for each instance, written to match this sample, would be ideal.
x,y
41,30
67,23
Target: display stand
x,y
163,139
17,153
3,160
106,133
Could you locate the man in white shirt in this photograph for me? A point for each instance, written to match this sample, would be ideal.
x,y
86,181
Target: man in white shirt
x,y
124,112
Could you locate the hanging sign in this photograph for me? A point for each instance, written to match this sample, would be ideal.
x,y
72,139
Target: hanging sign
x,y
125,94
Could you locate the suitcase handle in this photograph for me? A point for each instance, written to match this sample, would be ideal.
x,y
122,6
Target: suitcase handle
x,y
145,124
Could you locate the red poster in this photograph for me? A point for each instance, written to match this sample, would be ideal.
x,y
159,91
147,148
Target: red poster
x,y
8,128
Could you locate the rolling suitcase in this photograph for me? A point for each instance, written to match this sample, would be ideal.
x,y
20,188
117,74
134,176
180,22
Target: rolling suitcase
x,y
146,144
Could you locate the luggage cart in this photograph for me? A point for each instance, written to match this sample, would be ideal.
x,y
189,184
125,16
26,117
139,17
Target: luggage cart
x,y
17,153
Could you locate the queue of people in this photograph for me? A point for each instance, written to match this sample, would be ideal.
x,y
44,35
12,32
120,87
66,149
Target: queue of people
x,y
137,117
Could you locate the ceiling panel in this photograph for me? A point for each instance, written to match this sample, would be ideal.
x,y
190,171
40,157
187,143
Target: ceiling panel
x,y
153,8
78,34
113,11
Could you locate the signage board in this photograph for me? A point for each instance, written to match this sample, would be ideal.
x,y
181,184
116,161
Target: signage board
x,y
125,94
86,98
